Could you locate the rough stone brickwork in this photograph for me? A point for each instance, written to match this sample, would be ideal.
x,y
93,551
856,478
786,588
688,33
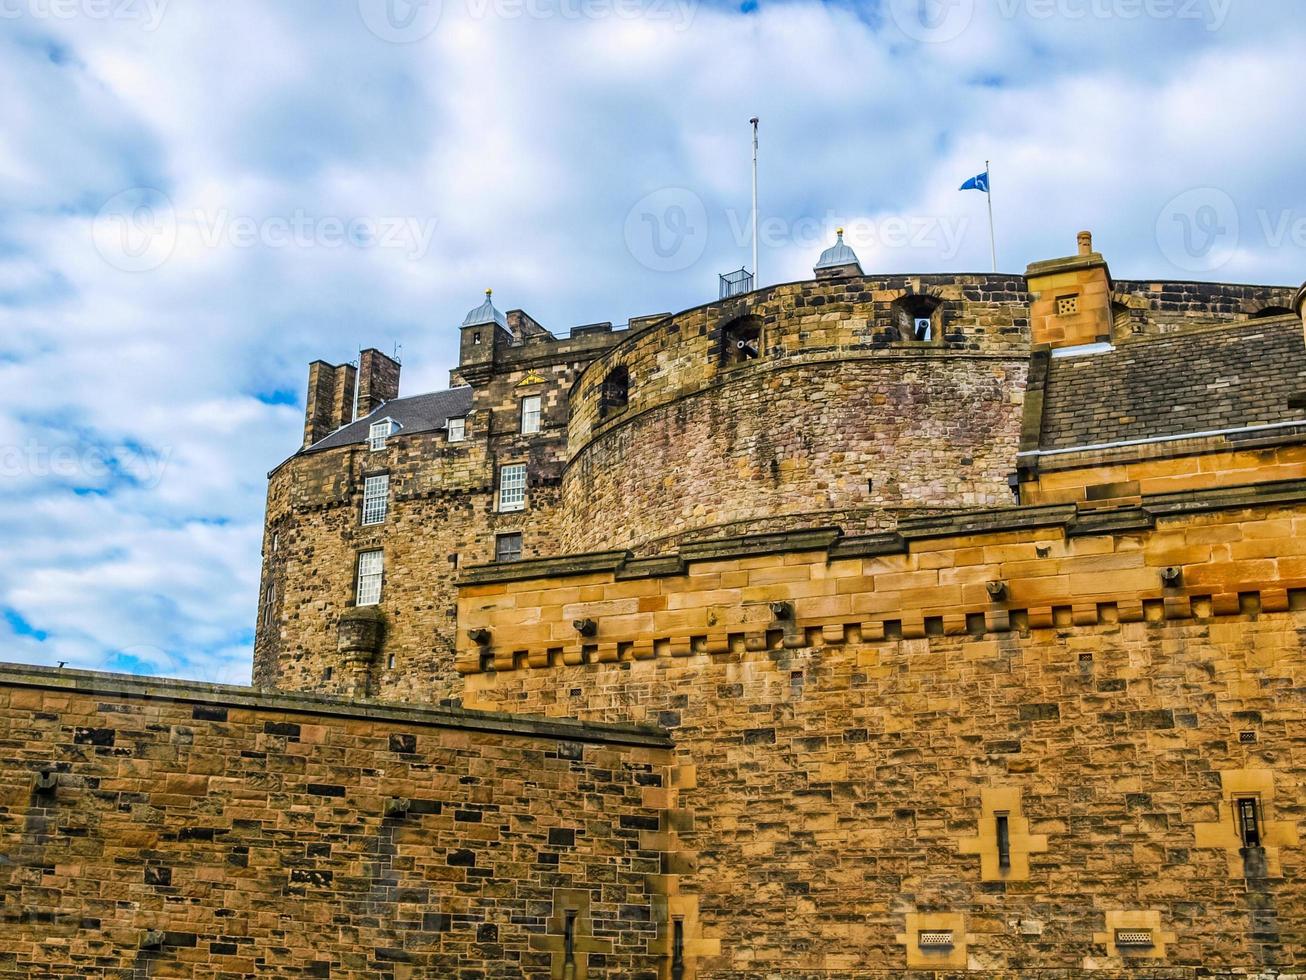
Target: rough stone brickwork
x,y
667,433
979,653
859,713
708,445
163,829
442,514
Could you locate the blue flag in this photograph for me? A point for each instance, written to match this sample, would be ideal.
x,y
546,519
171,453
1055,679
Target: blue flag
x,y
980,182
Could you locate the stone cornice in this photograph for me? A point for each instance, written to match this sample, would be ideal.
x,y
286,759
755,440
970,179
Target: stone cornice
x,y
1074,521
132,687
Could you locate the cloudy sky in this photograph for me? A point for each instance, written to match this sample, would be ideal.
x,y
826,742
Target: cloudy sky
x,y
198,198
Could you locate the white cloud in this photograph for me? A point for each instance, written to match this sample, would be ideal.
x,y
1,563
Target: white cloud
x,y
524,143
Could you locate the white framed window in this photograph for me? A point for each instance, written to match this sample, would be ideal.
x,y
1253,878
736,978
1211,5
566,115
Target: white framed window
x,y
370,567
507,547
457,429
376,498
377,433
512,487
530,414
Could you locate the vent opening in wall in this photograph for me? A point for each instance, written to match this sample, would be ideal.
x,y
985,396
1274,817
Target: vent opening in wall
x,y
1066,305
935,939
1134,937
1247,737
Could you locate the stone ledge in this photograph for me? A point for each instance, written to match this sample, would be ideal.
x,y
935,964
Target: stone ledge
x,y
130,686
1074,522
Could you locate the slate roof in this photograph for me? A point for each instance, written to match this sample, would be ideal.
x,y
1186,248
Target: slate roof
x,y
418,413
1193,381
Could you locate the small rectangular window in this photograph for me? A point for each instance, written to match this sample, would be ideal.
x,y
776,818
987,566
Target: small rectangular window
x,y
370,565
530,414
376,499
457,430
1003,822
1246,810
507,547
269,604
377,433
512,487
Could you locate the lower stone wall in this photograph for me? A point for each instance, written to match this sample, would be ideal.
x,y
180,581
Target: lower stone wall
x,y
154,828
845,796
873,724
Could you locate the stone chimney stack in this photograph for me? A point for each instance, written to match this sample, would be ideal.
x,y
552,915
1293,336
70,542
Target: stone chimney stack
x,y
330,401
378,380
1071,304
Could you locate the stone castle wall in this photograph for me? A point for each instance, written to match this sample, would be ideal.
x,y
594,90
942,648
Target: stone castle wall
x,y
837,420
154,828
858,712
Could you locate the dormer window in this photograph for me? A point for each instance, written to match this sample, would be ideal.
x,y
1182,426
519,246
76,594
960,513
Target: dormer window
x,y
378,432
457,429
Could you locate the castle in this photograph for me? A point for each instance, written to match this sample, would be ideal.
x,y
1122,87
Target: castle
x,y
859,627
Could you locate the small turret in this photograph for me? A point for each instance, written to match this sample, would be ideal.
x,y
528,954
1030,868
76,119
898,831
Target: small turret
x,y
484,332
837,260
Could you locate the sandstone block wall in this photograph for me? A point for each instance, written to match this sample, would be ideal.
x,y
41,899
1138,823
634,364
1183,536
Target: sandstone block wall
x,y
837,420
154,828
859,713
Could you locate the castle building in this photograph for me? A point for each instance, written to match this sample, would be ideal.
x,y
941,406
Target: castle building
x,y
860,627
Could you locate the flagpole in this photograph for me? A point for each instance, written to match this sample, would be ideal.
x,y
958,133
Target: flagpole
x,y
988,192
756,282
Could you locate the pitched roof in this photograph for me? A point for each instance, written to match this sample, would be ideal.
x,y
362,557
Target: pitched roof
x,y
417,413
1167,385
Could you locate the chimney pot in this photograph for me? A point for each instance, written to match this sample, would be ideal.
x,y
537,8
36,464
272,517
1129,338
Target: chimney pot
x,y
1085,243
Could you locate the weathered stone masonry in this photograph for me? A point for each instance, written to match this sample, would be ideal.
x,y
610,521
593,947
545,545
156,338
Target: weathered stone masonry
x,y
858,711
863,627
157,828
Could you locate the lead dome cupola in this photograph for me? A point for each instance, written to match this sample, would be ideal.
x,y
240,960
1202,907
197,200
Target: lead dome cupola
x,y
838,260
485,313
